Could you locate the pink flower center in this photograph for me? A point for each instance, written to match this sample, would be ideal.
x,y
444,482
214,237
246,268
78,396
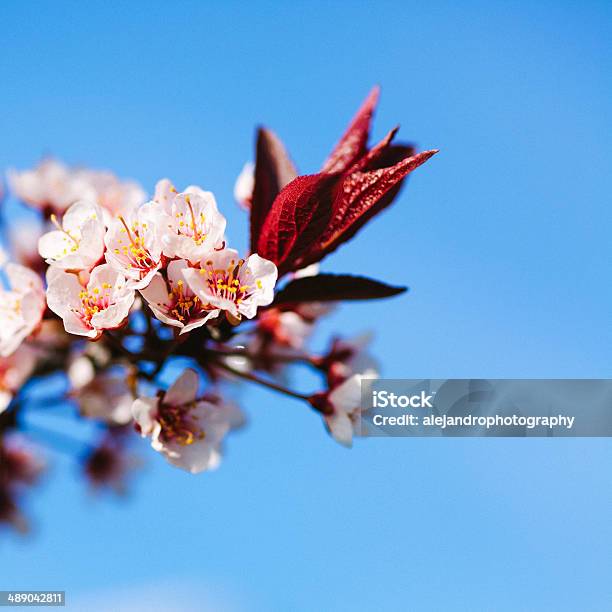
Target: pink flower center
x,y
226,283
134,250
93,301
192,226
183,305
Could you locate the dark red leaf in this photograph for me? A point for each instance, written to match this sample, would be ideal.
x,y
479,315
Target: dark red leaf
x,y
334,287
273,170
360,196
299,214
353,143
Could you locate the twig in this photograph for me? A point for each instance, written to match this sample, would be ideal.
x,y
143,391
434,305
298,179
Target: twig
x,y
260,381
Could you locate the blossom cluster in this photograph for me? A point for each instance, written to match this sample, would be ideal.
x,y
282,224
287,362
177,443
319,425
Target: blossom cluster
x,y
138,302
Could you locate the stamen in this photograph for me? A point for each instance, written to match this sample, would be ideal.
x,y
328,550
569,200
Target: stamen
x,y
61,229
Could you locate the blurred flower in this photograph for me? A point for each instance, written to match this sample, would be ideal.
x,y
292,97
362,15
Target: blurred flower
x,y
106,395
53,187
103,303
188,431
19,469
115,196
346,357
284,328
108,464
21,307
341,408
14,371
23,238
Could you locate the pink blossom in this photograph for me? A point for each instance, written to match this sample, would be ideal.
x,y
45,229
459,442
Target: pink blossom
x,y
174,303
53,187
134,245
106,396
87,309
22,305
188,431
341,408
78,242
236,286
193,226
14,371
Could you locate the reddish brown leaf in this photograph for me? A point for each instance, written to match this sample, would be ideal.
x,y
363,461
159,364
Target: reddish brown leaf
x,y
353,143
298,215
360,196
334,287
273,170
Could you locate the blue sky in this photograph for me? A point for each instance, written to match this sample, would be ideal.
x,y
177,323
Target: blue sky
x,y
503,238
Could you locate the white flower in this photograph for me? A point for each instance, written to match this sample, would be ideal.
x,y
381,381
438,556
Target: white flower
x,y
103,303
194,226
14,371
342,408
54,186
188,431
78,243
234,285
23,238
165,192
50,186
134,245
286,328
21,307
350,356
245,183
107,397
174,303
116,196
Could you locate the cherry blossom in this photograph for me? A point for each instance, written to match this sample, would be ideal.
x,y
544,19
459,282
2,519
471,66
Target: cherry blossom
x,y
341,408
285,328
188,431
14,371
50,186
346,357
174,303
88,309
236,286
165,192
194,225
78,242
134,245
116,196
108,465
22,305
106,396
148,273
53,187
